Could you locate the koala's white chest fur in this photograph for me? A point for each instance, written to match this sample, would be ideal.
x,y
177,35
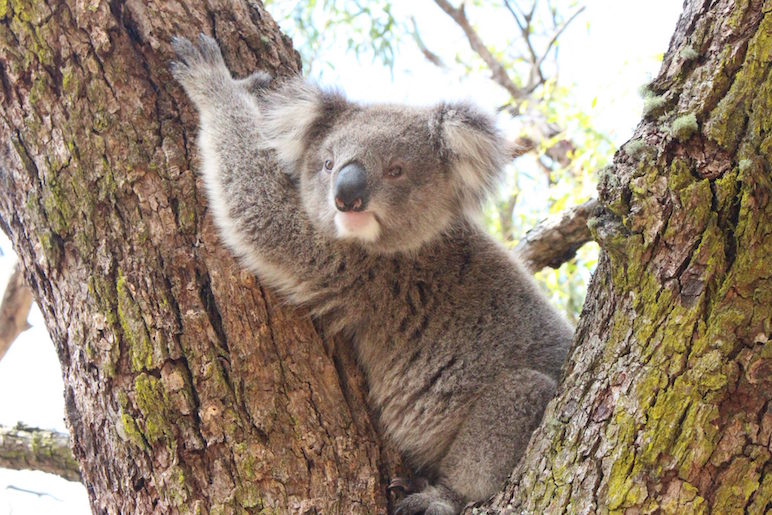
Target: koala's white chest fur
x,y
362,226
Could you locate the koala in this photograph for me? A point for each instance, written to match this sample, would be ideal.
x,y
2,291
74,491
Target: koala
x,y
366,215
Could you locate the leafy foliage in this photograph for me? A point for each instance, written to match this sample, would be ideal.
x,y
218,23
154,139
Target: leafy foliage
x,y
370,28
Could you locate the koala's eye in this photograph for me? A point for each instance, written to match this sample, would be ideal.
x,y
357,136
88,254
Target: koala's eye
x,y
328,165
394,171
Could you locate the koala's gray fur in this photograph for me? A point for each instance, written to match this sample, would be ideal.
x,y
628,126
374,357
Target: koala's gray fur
x,y
460,350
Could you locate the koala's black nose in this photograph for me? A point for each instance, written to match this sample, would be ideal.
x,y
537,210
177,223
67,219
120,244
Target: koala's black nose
x,y
350,188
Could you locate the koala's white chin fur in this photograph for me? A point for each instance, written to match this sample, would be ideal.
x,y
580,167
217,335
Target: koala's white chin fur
x,y
362,226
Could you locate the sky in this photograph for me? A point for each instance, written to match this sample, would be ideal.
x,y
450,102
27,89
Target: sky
x,y
606,55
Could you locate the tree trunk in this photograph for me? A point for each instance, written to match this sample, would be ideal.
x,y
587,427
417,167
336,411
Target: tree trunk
x,y
665,405
189,388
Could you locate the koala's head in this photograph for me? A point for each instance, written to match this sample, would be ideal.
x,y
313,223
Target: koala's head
x,y
390,177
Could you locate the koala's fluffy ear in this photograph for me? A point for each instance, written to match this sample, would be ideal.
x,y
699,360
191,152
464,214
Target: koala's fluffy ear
x,y
292,115
474,149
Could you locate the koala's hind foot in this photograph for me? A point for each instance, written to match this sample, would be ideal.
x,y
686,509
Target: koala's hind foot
x,y
432,500
403,485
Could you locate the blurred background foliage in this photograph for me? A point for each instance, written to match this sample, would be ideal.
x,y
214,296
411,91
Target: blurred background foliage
x,y
515,48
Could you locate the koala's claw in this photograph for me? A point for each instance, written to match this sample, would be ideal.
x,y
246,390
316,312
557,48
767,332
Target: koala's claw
x,y
420,503
207,52
210,50
431,500
183,48
200,69
400,485
405,486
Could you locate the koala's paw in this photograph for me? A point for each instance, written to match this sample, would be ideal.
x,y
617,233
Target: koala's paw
x,y
200,68
256,82
433,500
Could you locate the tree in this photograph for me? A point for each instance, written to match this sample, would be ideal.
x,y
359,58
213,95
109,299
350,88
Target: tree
x,y
190,388
187,386
665,404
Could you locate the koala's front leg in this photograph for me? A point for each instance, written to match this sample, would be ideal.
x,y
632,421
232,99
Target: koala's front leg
x,y
255,205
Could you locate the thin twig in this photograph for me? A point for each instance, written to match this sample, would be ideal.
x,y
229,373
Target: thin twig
x,y
525,32
428,54
498,71
514,14
529,16
557,34
505,217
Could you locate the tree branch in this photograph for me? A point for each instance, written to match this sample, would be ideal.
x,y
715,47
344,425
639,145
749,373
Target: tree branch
x,y
535,75
23,447
505,217
498,71
428,54
14,309
521,146
557,34
514,14
555,240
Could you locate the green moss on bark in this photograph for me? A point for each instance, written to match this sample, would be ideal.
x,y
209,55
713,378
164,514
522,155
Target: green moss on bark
x,y
144,354
687,328
750,93
638,149
689,53
131,431
157,420
654,105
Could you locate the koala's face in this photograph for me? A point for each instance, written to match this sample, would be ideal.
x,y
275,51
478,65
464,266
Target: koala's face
x,y
376,176
391,178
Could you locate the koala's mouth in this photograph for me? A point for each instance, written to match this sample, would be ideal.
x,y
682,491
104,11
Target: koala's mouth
x,y
362,225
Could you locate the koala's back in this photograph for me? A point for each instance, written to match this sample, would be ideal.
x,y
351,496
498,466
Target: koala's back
x,y
433,330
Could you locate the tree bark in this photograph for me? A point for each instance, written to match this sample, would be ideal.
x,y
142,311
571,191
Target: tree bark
x,y
188,388
665,404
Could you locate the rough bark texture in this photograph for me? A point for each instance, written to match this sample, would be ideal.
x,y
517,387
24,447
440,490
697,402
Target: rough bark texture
x,y
31,448
665,406
187,386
